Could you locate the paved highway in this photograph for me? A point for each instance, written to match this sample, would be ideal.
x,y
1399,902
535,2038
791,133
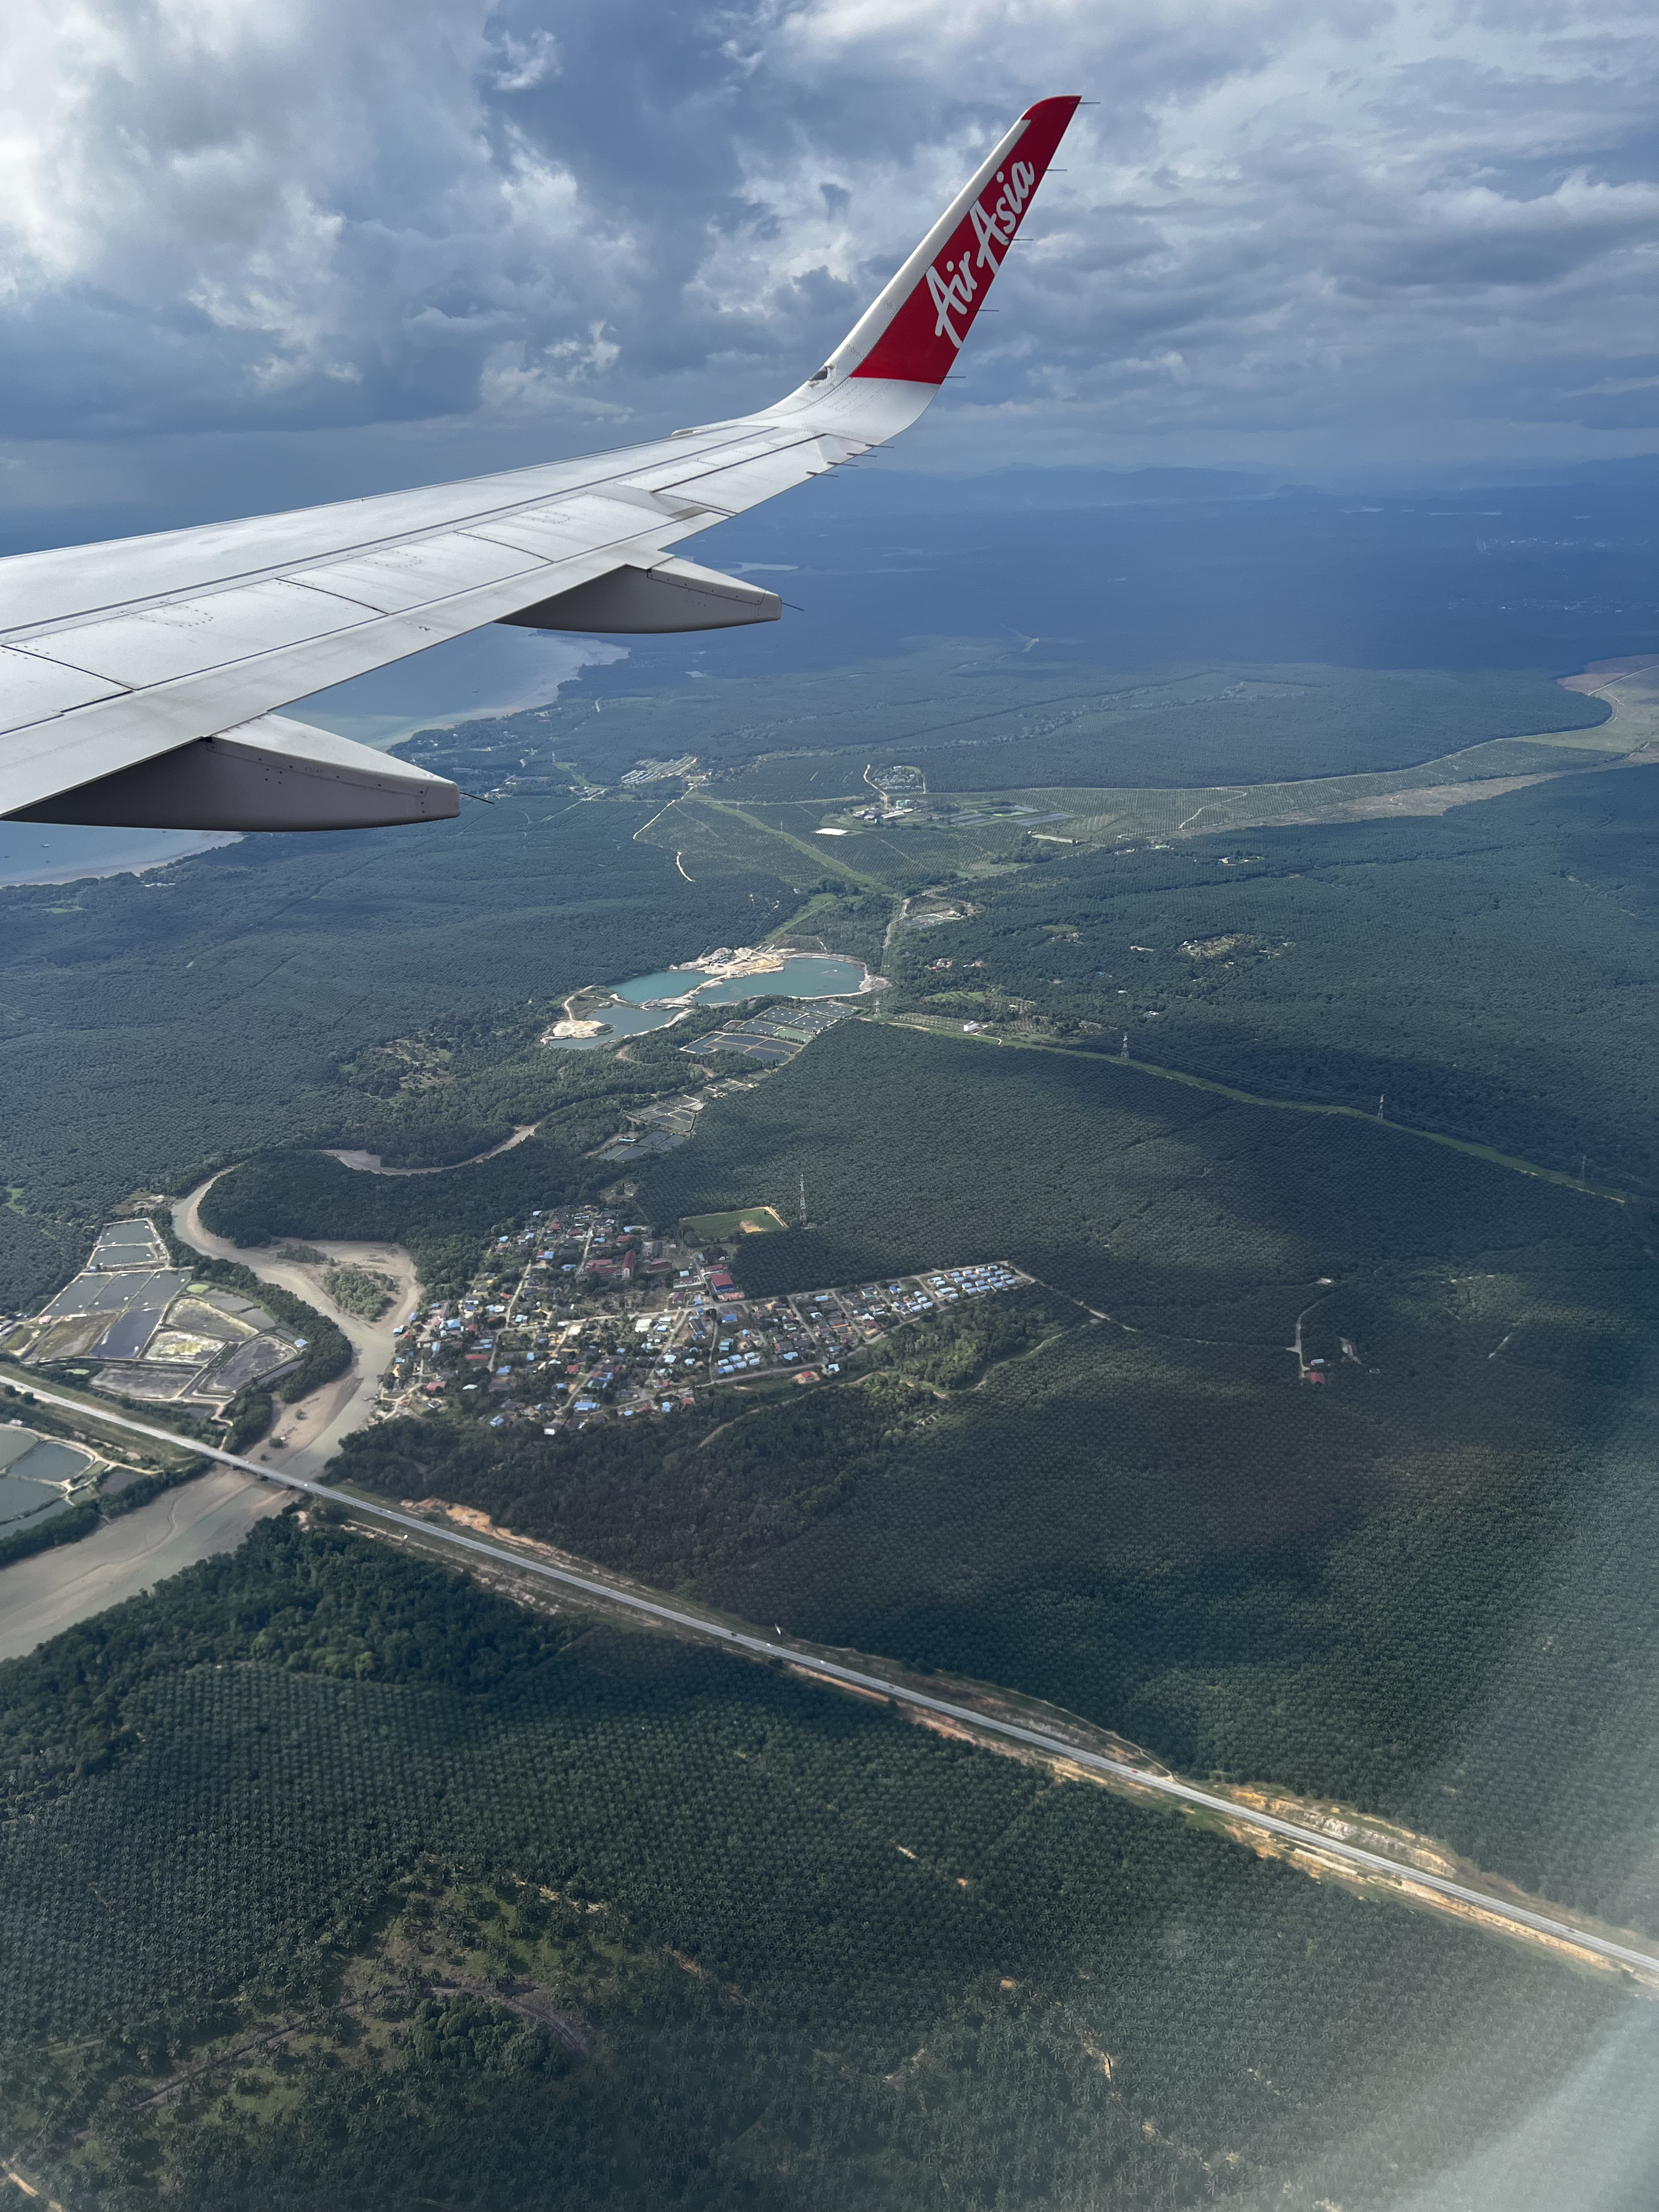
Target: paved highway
x,y
1645,1962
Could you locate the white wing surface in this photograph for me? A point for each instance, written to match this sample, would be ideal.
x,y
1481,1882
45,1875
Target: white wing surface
x,y
140,679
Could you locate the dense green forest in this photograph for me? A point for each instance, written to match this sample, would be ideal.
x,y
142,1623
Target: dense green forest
x,y
1421,1585
986,724
377,991
677,1504
538,1912
537,1916
1490,972
443,1220
1172,1207
283,1194
1231,726
153,1028
360,1291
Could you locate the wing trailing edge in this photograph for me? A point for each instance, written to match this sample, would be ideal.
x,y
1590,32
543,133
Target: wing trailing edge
x,y
650,601
140,679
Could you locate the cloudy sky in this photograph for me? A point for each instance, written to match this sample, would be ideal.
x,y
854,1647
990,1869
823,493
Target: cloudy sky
x,y
253,251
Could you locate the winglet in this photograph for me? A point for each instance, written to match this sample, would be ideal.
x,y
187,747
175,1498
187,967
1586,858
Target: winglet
x,y
912,333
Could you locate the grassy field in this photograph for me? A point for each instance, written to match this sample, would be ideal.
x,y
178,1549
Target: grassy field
x,y
712,837
715,1228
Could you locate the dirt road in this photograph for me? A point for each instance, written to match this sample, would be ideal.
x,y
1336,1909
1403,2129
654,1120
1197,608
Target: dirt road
x,y
311,1431
369,1163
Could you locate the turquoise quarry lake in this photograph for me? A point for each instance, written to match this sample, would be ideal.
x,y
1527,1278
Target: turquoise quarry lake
x,y
803,975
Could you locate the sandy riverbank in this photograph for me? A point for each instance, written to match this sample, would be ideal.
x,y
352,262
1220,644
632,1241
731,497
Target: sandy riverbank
x,y
42,1597
312,1430
728,964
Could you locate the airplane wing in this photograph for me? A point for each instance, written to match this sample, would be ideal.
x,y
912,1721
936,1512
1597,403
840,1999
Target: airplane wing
x,y
140,679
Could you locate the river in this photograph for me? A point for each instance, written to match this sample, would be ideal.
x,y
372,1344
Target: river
x,y
47,1594
310,1431
42,1597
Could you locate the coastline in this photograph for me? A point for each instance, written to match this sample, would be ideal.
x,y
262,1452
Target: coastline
x,y
90,855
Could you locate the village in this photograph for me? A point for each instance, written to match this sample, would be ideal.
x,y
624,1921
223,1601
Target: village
x,y
585,1316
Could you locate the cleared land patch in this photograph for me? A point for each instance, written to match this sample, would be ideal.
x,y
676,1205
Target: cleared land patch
x,y
745,1221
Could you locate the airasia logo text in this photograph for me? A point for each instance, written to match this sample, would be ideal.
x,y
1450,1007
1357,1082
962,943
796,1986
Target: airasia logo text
x,y
953,294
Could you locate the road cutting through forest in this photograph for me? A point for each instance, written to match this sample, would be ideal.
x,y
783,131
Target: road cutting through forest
x,y
1313,1850
936,1025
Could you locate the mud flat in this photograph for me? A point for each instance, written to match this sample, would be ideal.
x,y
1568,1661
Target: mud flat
x,y
42,1597
312,1430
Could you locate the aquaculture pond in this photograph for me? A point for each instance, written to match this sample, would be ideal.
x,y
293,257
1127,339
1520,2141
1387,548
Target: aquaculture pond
x,y
31,1469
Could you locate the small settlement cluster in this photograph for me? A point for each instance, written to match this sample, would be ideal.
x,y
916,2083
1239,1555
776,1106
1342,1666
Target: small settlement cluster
x,y
584,1317
755,1335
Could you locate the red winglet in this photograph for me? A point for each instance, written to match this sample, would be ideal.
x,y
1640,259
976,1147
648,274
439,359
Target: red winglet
x,y
921,342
